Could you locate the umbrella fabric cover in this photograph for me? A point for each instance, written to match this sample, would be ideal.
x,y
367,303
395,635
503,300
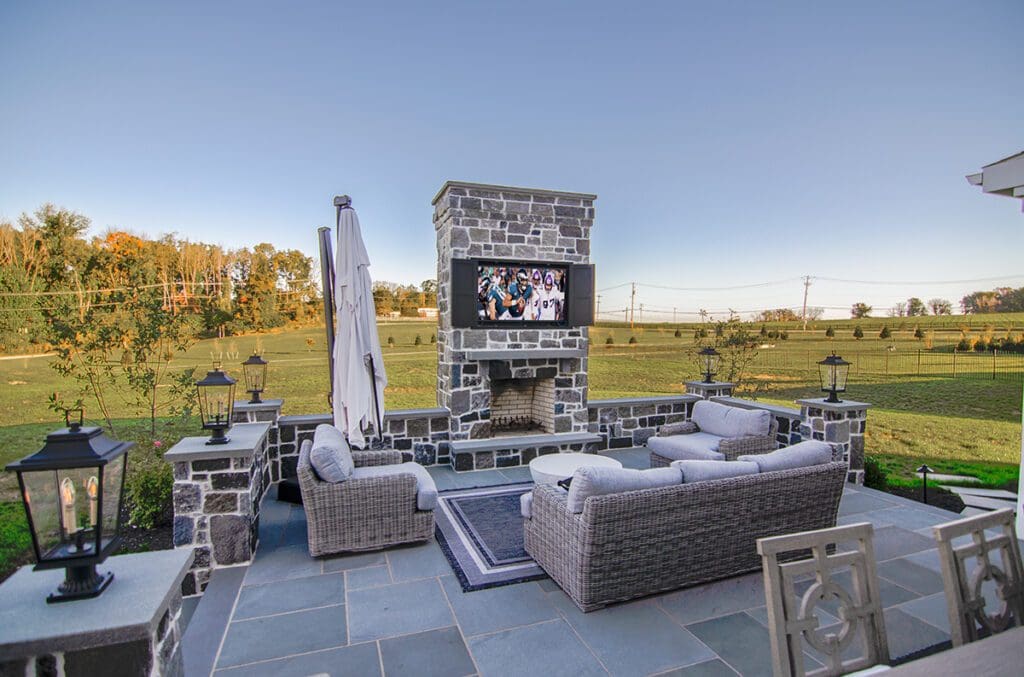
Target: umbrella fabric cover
x,y
357,341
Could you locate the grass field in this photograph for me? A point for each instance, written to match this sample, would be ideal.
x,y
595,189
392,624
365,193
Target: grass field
x,y
970,424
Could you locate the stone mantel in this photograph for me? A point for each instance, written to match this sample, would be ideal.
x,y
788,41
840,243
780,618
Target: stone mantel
x,y
505,355
244,438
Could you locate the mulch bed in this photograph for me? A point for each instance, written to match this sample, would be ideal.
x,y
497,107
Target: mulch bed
x,y
940,498
137,539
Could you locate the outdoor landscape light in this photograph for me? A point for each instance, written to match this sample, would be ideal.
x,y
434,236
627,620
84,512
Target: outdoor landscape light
x,y
255,371
833,371
709,357
72,489
923,471
216,403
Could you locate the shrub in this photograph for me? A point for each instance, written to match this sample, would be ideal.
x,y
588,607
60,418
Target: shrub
x,y
918,333
784,335
433,339
632,340
764,331
679,333
609,341
391,342
830,332
875,476
148,491
963,344
417,341
885,333
981,346
858,333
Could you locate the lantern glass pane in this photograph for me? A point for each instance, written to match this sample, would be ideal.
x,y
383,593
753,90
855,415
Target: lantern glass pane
x,y
216,404
41,499
113,477
255,376
841,372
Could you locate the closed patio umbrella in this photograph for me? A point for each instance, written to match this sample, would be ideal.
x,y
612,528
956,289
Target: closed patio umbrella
x,y
359,378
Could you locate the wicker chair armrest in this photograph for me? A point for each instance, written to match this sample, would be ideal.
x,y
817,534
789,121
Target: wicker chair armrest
x,y
378,457
683,428
364,495
550,505
732,447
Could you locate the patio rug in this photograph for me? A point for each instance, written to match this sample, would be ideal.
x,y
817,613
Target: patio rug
x,y
481,533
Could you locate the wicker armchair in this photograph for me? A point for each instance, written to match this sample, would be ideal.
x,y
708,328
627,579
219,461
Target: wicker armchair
x,y
729,447
638,543
361,513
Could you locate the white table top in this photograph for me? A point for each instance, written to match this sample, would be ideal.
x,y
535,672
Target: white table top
x,y
553,467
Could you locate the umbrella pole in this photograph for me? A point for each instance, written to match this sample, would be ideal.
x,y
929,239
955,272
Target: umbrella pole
x,y
327,279
376,404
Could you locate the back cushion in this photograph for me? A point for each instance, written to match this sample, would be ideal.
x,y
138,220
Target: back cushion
x,y
706,471
331,456
801,455
592,480
725,421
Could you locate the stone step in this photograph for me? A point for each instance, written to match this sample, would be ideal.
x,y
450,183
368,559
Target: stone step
x,y
989,493
986,503
939,477
511,451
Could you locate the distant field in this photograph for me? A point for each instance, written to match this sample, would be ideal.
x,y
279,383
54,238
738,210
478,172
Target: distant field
x,y
973,418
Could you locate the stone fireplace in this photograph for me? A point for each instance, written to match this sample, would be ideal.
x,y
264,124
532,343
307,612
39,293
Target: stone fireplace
x,y
515,391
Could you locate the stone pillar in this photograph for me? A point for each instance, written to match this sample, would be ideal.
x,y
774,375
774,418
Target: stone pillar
x,y
133,627
840,423
267,410
217,494
708,390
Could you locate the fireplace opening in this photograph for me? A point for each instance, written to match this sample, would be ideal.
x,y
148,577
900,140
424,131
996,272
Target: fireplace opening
x,y
522,406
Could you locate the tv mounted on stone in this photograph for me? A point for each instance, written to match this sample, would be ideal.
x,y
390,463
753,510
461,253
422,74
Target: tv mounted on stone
x,y
506,293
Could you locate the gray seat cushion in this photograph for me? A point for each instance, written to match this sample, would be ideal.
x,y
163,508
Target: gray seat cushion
x,y
725,421
526,505
706,471
426,490
330,454
594,480
800,455
695,446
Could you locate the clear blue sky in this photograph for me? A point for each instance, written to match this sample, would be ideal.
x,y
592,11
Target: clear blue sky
x,y
729,143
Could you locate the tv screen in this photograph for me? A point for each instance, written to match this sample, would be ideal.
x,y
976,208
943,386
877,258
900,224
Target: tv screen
x,y
527,292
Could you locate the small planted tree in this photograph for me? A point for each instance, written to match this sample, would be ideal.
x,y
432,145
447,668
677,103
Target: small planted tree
x,y
310,343
632,340
919,333
417,341
885,332
609,342
391,342
433,339
858,333
679,333
830,332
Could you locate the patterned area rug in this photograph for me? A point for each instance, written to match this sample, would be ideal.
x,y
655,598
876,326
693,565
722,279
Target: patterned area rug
x,y
481,533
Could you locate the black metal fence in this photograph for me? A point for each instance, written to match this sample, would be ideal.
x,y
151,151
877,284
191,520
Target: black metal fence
x,y
955,364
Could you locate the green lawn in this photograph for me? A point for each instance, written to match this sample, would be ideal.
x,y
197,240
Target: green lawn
x,y
973,424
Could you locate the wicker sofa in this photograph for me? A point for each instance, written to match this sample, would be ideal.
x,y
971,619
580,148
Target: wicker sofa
x,y
364,512
715,432
638,543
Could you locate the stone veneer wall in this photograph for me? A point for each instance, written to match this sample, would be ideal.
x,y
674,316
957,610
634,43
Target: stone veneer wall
x,y
421,432
473,221
840,423
217,509
629,422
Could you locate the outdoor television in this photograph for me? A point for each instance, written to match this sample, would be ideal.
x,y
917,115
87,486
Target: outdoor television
x,y
498,293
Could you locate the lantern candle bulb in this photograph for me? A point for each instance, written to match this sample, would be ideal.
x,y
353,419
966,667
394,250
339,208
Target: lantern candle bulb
x,y
92,489
67,500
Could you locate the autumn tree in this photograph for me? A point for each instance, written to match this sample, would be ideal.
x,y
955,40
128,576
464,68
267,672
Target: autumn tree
x,y
860,310
940,306
916,307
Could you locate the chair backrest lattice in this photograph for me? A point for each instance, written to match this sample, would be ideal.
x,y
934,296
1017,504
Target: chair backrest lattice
x,y
811,561
991,545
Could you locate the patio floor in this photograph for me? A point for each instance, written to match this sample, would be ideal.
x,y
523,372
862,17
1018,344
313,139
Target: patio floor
x,y
402,612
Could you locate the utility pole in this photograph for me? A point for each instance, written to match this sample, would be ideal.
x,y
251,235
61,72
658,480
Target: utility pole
x,y
807,285
673,315
641,313
632,303
598,307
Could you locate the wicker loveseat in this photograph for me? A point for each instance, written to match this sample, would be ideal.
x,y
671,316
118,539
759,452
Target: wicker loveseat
x,y
367,511
715,432
638,543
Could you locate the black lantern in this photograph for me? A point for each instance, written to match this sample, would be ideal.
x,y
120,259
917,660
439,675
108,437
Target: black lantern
x,y
216,403
255,371
709,359
833,371
72,489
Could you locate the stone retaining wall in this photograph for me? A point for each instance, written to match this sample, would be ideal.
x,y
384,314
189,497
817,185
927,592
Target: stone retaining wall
x,y
629,422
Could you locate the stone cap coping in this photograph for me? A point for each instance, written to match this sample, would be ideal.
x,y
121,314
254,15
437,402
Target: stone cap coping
x,y
785,412
525,354
713,384
265,405
245,437
396,414
845,405
510,189
640,401
128,610
522,441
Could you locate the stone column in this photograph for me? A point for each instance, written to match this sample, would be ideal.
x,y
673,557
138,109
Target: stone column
x,y
267,410
133,627
217,494
840,423
708,390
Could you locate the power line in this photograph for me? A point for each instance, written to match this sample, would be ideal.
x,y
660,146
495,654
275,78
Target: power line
x,y
895,283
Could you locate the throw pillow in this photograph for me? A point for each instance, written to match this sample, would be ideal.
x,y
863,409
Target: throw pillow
x,y
800,455
725,421
331,456
706,471
592,480
680,428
